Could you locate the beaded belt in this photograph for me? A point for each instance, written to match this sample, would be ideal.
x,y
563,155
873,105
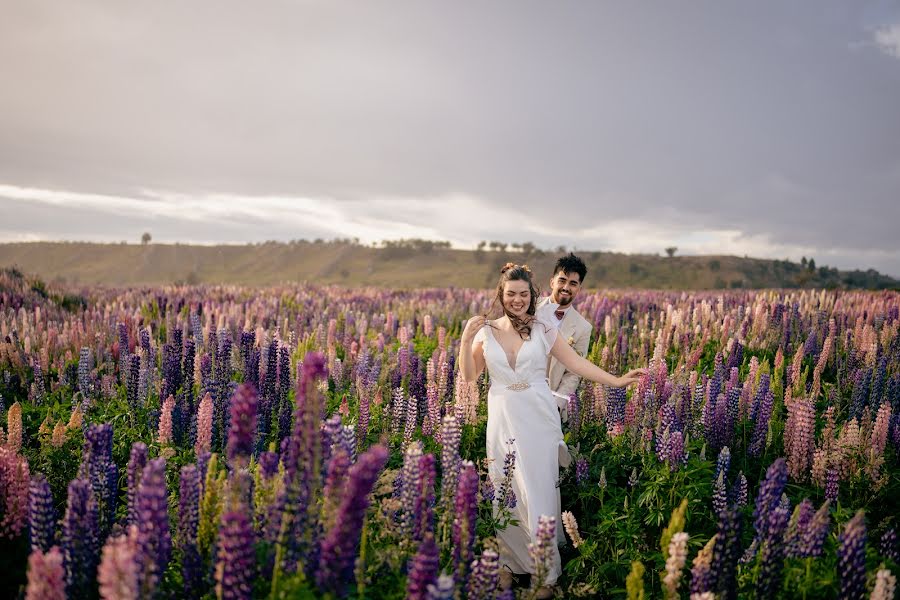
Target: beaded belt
x,y
523,385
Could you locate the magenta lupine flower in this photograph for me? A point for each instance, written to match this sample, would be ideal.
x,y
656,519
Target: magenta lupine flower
x,y
851,555
423,569
464,519
485,576
188,523
340,545
46,575
15,480
541,550
242,426
80,541
41,514
136,464
204,425
118,573
880,430
152,519
450,460
236,558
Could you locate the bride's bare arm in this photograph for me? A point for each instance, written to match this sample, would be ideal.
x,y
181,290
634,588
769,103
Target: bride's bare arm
x,y
471,355
582,366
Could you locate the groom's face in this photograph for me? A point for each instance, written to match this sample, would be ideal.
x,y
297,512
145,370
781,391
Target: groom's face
x,y
564,287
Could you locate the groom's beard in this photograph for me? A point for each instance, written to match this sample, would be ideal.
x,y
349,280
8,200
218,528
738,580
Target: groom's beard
x,y
563,300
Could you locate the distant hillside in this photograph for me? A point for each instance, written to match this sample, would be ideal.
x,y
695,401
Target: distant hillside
x,y
413,263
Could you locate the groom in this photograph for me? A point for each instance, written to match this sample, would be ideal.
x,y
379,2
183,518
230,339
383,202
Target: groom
x,y
568,277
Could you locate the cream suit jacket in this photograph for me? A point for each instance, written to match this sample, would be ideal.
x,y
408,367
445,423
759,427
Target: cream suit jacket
x,y
576,331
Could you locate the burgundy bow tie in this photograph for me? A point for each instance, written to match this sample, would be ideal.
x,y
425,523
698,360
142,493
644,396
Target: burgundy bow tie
x,y
560,314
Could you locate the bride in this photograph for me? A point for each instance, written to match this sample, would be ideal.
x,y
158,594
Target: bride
x,y
521,408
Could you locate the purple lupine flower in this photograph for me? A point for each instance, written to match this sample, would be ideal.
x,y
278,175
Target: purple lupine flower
x,y
541,550
739,491
188,523
46,575
832,484
136,464
268,464
443,589
242,426
97,466
425,497
725,553
851,555
573,408
888,545
152,520
485,576
761,429
771,556
338,466
509,466
615,410
41,514
236,558
506,595
722,462
769,496
812,539
339,547
362,427
581,470
408,487
450,460
412,414
800,520
464,520
719,495
423,569
487,489
80,541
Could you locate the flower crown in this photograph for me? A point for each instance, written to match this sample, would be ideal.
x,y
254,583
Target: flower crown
x,y
512,265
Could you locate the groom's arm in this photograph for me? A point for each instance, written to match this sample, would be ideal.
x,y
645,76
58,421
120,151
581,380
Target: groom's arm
x,y
569,382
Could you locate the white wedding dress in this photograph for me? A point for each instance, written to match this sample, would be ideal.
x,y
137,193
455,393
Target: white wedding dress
x,y
522,408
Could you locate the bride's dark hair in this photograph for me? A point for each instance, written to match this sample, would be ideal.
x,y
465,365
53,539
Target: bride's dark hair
x,y
514,272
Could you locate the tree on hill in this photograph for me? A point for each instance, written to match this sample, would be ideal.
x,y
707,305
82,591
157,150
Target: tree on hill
x,y
145,238
670,251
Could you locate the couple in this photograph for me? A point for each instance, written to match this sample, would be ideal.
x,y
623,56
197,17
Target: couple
x,y
521,406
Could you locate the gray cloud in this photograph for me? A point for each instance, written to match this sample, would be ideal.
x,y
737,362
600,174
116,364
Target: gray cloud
x,y
767,128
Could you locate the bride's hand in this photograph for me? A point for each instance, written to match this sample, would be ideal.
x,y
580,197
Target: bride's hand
x,y
473,326
632,376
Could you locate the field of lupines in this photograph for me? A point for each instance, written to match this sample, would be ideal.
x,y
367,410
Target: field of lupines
x,y
311,442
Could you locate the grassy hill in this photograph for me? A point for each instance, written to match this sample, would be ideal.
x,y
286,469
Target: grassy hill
x,y
413,263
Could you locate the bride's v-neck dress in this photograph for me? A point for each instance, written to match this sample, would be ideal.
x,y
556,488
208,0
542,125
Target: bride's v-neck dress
x,y
522,408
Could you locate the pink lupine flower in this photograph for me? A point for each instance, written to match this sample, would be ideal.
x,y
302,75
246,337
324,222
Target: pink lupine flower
x,y
46,576
165,421
118,571
204,425
14,427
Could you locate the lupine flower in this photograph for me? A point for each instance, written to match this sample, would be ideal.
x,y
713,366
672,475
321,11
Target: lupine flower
x,y
832,478
675,563
758,441
15,480
851,555
888,545
340,543
485,576
800,520
602,482
136,464
571,527
188,523
41,514
541,550
581,470
408,482
885,585
338,466
701,577
444,589
242,425
633,478
204,425
164,436
769,496
236,559
80,542
465,517
46,575
14,427
739,491
725,553
720,495
98,467
423,569
509,466
118,574
450,460
152,519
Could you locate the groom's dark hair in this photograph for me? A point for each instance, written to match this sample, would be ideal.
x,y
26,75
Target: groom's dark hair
x,y
571,264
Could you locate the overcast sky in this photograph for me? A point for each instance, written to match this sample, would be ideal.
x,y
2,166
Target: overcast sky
x,y
763,128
